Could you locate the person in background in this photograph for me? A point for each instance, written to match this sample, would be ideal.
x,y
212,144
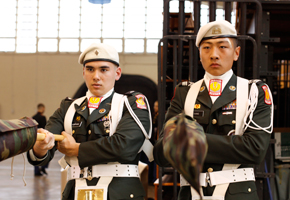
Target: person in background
x,y
155,122
41,120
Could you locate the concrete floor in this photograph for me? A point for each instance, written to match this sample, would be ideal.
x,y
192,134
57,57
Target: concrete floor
x,y
37,188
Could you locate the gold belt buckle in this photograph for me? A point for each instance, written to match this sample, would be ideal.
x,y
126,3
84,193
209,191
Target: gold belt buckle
x,y
91,193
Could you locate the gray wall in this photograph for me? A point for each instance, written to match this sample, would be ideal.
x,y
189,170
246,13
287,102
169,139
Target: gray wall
x,y
29,79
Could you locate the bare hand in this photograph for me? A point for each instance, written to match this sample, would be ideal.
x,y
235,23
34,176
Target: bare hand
x,y
68,145
40,148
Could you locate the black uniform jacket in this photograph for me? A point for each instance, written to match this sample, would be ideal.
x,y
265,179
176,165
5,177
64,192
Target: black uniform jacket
x,y
218,120
98,148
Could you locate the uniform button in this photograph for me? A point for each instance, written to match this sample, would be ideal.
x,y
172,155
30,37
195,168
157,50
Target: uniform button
x,y
214,121
234,122
131,196
89,132
249,190
73,131
210,169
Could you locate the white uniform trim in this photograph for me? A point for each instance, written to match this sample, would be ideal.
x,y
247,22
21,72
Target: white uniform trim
x,y
222,177
191,97
115,116
116,111
114,170
242,104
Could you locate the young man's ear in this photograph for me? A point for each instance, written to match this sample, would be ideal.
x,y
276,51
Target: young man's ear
x,y
118,73
237,53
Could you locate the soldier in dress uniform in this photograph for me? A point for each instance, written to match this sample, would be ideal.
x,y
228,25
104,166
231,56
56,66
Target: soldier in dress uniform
x,y
99,159
236,115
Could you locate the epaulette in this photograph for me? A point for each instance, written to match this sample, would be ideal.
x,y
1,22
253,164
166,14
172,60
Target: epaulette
x,y
184,84
69,99
130,93
257,81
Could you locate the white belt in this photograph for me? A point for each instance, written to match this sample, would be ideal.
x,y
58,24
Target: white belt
x,y
222,177
113,170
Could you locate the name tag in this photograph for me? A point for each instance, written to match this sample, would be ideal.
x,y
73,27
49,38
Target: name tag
x,y
77,124
198,113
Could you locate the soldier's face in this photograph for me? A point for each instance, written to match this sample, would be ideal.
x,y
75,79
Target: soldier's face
x,y
100,76
217,55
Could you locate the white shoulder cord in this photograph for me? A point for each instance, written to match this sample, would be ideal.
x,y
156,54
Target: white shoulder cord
x,y
147,136
253,101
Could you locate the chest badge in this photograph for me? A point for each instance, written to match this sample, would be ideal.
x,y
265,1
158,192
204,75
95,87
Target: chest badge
x,y
215,87
94,102
197,106
78,118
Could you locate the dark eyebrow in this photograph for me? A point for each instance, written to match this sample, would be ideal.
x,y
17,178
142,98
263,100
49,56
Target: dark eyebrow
x,y
223,41
219,42
206,42
103,67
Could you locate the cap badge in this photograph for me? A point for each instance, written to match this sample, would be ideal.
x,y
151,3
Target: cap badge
x,y
216,31
97,52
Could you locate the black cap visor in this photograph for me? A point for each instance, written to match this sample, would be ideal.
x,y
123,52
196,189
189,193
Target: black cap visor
x,y
101,59
218,36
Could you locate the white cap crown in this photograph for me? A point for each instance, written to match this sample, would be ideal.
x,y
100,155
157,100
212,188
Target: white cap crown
x,y
99,52
215,29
